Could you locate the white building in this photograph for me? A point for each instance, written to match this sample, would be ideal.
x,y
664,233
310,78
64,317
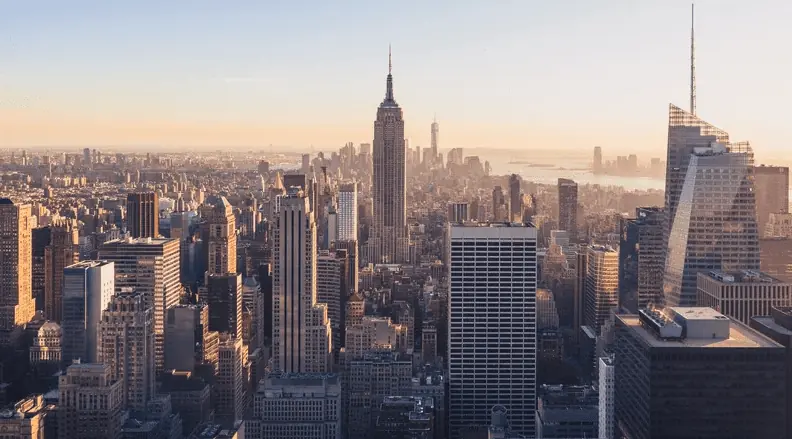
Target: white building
x,y
492,325
347,212
296,406
606,398
88,288
301,329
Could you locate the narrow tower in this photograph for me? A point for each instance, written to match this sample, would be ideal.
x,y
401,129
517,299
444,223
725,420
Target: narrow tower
x,y
692,60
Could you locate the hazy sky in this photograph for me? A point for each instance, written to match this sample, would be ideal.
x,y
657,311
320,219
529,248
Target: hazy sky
x,y
519,74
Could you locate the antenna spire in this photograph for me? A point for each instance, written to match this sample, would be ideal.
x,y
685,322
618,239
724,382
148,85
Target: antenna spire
x,y
390,64
692,60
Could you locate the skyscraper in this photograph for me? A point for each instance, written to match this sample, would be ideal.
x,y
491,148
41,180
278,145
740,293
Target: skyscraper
x,y
492,278
89,403
220,241
597,164
692,372
389,180
347,212
602,286
143,214
434,140
41,240
225,303
772,193
742,294
127,347
228,393
60,253
515,199
150,267
301,330
715,220
88,288
17,305
568,206
187,338
330,274
641,259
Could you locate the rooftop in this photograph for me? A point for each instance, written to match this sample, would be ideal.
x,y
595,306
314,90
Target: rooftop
x,y
741,276
740,336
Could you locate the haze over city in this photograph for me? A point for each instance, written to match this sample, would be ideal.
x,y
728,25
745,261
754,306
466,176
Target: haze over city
x,y
521,75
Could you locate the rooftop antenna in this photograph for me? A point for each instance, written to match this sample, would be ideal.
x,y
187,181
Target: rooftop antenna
x,y
390,65
692,60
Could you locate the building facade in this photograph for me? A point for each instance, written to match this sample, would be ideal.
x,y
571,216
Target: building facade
x,y
641,259
220,240
492,274
568,206
347,212
188,342
772,193
143,214
224,299
601,296
89,403
61,252
742,294
17,305
88,289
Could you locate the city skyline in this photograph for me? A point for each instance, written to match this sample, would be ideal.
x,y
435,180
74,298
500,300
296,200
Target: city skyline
x,y
313,89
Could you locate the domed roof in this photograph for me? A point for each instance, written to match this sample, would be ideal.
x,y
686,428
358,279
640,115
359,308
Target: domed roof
x,y
49,326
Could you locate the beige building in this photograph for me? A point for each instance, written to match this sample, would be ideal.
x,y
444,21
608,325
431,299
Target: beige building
x,y
127,347
229,395
221,245
62,252
742,294
17,305
601,293
47,345
301,328
89,403
779,225
150,267
28,419
374,333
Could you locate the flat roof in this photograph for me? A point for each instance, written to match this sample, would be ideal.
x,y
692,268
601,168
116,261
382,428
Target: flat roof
x,y
752,277
740,336
770,323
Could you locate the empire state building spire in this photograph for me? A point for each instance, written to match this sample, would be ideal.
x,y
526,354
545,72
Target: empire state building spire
x,y
389,87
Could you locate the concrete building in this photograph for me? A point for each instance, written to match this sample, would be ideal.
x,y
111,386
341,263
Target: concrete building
x,y
151,267
371,378
565,412
606,398
347,212
254,307
188,341
714,224
772,193
224,298
546,311
458,212
601,295
190,397
641,259
229,395
61,252
693,372
297,406
568,206
89,403
46,347
143,214
127,347
779,225
17,305
330,276
515,199
219,234
742,294
389,178
88,288
405,417
490,262
30,418
374,333
302,336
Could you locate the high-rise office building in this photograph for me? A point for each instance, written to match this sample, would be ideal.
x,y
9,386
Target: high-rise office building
x,y
715,223
742,294
389,181
778,326
88,289
641,259
606,398
61,252
568,206
150,267
347,212
686,131
330,274
515,199
143,214
17,305
253,314
230,382
499,212
779,225
601,295
772,193
188,341
41,239
220,238
597,164
434,141
126,345
90,403
492,275
306,406
224,298
403,417
458,212
301,330
565,412
693,372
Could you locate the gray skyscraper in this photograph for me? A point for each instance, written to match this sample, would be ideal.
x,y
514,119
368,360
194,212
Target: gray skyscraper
x,y
515,199
88,288
641,259
389,182
61,252
492,325
301,329
435,138
568,206
714,227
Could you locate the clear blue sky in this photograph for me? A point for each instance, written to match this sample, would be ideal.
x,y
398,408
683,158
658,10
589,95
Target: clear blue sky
x,y
520,74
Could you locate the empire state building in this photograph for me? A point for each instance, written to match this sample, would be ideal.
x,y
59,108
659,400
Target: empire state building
x,y
391,239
